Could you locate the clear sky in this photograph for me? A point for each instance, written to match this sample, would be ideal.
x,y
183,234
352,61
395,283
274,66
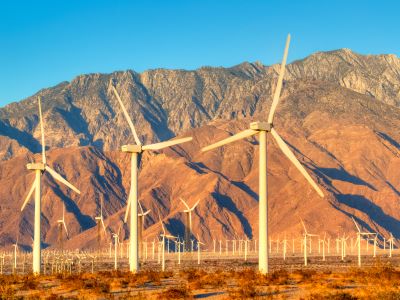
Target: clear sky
x,y
46,42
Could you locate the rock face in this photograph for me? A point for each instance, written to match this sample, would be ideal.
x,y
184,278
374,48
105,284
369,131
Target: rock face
x,y
339,111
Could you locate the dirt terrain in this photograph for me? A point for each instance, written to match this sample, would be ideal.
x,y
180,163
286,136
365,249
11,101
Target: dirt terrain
x,y
216,279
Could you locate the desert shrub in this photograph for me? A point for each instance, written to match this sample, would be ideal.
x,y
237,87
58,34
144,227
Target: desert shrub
x,y
331,296
248,273
384,295
245,290
7,292
152,276
306,275
180,292
278,277
29,283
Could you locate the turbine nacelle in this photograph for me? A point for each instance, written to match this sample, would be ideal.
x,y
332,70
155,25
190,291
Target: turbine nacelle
x,y
36,166
261,126
132,148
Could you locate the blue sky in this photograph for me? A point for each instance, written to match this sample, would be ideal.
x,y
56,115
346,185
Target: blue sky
x,y
46,42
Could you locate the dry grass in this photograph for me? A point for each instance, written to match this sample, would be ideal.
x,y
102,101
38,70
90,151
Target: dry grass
x,y
382,281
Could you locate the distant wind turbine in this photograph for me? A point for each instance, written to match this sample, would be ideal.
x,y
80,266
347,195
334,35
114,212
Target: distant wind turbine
x,y
262,129
61,224
141,216
306,234
100,223
359,234
39,169
188,228
164,236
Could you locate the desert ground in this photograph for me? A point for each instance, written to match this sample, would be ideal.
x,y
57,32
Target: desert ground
x,y
89,277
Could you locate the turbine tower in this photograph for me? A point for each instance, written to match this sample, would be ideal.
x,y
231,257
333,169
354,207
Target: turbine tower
x,y
359,234
39,169
188,228
164,236
61,224
100,222
262,129
136,151
306,234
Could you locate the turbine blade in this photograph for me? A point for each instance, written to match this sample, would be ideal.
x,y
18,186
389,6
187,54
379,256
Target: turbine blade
x,y
141,208
61,179
304,226
104,227
162,225
66,230
42,132
166,144
128,205
28,197
241,135
190,221
101,208
356,224
184,202
278,88
285,149
194,206
128,119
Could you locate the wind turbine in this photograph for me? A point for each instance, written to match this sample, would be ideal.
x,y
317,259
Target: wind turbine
x,y
262,129
164,236
15,255
100,220
61,224
199,243
188,228
141,216
306,234
391,241
359,234
136,151
39,169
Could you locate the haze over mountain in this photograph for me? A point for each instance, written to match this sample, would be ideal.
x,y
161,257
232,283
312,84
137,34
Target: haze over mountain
x,y
339,111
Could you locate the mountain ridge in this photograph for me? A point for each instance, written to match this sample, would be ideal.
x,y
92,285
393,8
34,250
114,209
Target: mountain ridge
x,y
340,124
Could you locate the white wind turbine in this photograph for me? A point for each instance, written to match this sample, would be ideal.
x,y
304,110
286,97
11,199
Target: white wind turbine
x,y
15,255
199,243
116,242
306,234
262,129
359,234
391,241
61,224
100,220
141,216
136,150
164,236
39,169
188,228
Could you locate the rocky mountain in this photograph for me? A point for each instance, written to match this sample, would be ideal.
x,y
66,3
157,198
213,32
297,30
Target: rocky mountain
x,y
339,111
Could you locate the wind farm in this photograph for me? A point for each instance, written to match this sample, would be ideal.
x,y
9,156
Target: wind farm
x,y
274,174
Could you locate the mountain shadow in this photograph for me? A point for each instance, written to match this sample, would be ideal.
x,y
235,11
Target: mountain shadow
x,y
375,212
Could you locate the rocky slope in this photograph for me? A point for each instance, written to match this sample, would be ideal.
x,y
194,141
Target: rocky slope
x,y
339,113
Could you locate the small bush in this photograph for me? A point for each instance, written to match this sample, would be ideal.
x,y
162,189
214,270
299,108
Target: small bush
x,y
180,292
